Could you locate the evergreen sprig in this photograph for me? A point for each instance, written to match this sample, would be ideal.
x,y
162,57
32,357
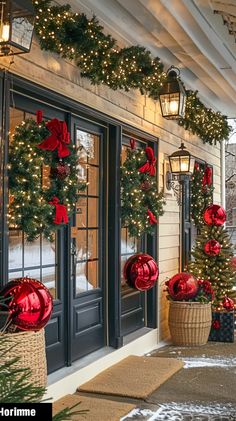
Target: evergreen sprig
x,y
201,196
16,385
216,269
83,40
29,208
139,193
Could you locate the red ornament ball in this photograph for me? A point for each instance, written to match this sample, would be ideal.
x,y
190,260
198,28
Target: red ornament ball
x,y
228,304
212,248
30,303
141,272
61,171
214,215
182,286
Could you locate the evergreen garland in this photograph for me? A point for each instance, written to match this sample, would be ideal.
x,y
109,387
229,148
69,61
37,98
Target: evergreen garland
x,y
139,196
78,38
216,269
209,125
29,209
201,196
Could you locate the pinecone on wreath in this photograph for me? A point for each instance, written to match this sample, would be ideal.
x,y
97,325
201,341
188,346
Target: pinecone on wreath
x,y
61,171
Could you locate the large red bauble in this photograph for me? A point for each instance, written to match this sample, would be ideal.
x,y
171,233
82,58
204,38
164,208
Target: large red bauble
x,y
212,248
141,272
182,286
30,303
228,304
214,215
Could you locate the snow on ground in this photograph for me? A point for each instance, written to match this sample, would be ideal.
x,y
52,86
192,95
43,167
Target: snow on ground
x,y
196,362
185,412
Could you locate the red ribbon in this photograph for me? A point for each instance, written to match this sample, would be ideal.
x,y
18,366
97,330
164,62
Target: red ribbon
x,y
196,166
207,178
132,143
39,116
152,218
149,167
59,138
61,216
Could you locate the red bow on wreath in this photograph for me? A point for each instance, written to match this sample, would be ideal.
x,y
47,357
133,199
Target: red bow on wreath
x,y
207,178
58,139
152,218
149,167
61,216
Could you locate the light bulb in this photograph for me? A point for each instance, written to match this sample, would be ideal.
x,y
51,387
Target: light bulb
x,y
5,32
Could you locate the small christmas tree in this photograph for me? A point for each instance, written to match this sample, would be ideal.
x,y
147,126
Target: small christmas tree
x,y
141,203
212,256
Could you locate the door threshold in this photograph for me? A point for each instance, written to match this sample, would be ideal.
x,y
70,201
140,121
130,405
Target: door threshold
x,y
66,380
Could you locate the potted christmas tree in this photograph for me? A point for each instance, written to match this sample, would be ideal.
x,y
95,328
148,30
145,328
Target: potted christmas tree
x,y
212,261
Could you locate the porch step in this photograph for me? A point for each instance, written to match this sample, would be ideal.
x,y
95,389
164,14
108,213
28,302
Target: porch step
x,y
98,409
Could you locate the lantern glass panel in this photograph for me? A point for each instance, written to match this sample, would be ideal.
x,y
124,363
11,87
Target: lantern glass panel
x,y
184,164
22,31
192,163
175,164
170,104
182,104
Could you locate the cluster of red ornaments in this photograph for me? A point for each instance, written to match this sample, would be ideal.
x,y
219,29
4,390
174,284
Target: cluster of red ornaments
x,y
213,215
141,272
29,303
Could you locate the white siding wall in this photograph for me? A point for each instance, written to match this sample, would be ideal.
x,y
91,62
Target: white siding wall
x,y
62,76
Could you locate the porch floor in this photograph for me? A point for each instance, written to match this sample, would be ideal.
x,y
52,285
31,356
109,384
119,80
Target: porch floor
x,y
203,390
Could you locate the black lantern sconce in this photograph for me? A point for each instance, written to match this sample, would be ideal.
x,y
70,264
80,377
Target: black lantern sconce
x,y
16,26
181,167
172,96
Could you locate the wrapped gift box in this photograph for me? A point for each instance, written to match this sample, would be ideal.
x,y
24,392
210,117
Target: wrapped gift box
x,y
222,328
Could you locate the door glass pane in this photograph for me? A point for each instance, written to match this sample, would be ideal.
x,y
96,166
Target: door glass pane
x,y
88,214
15,249
36,259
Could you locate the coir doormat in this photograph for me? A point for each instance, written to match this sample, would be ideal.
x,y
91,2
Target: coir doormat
x,y
134,377
98,409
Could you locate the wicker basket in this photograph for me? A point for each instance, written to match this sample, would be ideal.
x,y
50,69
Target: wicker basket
x,y
189,322
30,348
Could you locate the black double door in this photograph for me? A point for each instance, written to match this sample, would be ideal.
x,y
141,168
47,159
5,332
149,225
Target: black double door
x,y
83,266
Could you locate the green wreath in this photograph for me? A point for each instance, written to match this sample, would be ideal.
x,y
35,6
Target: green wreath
x,y
43,181
141,203
201,193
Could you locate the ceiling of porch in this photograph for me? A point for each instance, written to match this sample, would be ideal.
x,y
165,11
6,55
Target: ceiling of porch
x,y
198,36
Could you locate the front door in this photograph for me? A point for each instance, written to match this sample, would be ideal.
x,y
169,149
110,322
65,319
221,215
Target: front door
x,y
88,242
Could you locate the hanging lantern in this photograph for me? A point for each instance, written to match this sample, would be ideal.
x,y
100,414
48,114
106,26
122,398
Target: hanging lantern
x,y
16,26
181,162
172,96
